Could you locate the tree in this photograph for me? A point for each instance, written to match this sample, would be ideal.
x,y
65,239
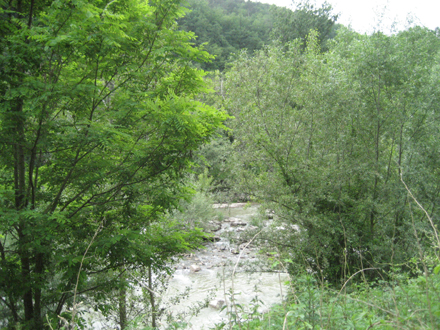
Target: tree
x,y
283,102
97,124
290,25
225,27
323,139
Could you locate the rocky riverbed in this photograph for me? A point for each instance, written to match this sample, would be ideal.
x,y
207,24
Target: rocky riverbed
x,y
227,242
207,283
219,276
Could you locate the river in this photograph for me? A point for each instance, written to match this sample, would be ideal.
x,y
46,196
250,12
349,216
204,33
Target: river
x,y
225,267
211,284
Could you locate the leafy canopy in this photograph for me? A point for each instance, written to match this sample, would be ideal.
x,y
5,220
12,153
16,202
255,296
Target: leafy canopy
x,y
98,122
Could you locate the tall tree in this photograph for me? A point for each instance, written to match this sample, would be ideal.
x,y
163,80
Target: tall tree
x,y
290,25
97,123
224,27
324,138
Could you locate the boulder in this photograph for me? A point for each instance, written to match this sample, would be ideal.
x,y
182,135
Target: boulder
x,y
237,222
211,239
221,246
213,226
235,251
270,214
217,303
195,268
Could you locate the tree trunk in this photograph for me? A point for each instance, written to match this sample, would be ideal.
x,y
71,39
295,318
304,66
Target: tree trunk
x,y
153,308
20,204
123,304
122,308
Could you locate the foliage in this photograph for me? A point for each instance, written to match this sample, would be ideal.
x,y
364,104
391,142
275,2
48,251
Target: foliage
x,y
216,156
197,211
290,25
227,26
98,122
323,139
399,304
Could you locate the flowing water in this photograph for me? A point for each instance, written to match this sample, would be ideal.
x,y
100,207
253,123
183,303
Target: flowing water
x,y
259,290
222,273
219,274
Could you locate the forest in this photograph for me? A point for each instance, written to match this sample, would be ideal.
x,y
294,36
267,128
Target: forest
x,y
123,122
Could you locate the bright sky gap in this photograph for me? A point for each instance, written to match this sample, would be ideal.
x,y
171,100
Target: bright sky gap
x,y
365,16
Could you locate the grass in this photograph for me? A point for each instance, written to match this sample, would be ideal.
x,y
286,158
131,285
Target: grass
x,y
405,302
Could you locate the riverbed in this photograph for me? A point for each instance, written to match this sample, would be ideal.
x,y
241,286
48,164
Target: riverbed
x,y
227,274
211,284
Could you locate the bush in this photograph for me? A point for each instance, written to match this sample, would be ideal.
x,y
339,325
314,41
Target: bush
x,y
198,210
404,303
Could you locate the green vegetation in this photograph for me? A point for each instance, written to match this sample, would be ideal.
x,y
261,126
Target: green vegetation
x,y
290,25
402,303
113,148
340,145
98,124
324,139
227,26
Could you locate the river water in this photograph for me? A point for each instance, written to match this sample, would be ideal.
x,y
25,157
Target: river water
x,y
250,289
224,269
226,272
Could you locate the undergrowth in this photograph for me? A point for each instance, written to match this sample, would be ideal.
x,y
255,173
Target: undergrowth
x,y
405,297
404,303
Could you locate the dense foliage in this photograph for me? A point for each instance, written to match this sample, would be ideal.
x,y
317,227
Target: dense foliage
x,y
97,124
324,138
342,147
401,303
103,108
290,25
225,27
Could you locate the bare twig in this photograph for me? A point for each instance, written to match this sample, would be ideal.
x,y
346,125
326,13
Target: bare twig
x,y
233,273
79,272
359,271
285,320
423,209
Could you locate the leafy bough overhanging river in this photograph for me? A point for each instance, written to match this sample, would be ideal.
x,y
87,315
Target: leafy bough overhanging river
x,y
216,282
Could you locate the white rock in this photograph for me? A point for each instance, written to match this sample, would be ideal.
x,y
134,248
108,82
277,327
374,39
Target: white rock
x,y
217,303
195,268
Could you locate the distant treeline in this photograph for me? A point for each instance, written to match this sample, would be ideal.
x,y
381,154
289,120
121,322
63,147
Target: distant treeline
x,y
227,26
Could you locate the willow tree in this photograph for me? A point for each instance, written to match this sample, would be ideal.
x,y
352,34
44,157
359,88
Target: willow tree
x,y
290,25
97,124
324,138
